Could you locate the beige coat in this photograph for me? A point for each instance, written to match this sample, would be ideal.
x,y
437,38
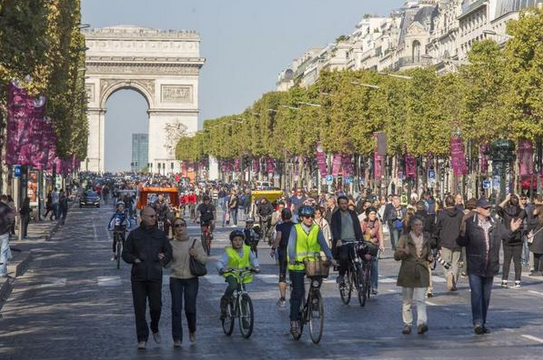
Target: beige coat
x,y
179,266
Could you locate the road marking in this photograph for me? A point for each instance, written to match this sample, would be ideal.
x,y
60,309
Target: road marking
x,y
431,303
533,338
438,279
94,231
268,278
536,292
387,280
108,280
52,281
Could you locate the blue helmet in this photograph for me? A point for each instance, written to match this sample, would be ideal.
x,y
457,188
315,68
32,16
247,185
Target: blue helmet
x,y
237,233
306,210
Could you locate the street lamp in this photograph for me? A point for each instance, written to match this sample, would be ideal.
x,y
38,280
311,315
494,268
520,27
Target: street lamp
x,y
289,107
83,26
405,77
494,33
366,85
308,104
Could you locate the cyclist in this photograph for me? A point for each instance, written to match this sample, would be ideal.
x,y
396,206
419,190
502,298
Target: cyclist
x,y
304,241
162,209
252,233
208,213
264,210
119,218
236,257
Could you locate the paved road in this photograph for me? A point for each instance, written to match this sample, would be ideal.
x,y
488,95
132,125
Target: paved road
x,y
73,304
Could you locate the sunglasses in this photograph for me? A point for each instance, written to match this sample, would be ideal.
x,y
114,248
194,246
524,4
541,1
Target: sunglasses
x,y
179,225
307,216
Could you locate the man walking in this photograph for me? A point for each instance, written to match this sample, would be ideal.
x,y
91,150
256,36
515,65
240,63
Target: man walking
x,y
482,236
148,250
449,221
7,220
54,201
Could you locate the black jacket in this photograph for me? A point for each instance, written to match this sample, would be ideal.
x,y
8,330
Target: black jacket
x,y
449,221
507,214
7,218
473,238
335,227
145,244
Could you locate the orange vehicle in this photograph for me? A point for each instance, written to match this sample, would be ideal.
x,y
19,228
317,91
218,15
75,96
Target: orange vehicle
x,y
147,195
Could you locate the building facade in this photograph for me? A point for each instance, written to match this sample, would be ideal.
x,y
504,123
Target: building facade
x,y
420,33
140,152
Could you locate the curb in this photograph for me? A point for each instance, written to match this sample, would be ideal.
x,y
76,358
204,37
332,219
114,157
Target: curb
x,y
15,269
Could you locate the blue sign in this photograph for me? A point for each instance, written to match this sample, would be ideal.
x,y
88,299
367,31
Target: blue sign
x,y
486,184
329,178
17,170
431,174
348,180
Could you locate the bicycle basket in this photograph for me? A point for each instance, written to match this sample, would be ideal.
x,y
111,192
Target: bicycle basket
x,y
316,267
367,248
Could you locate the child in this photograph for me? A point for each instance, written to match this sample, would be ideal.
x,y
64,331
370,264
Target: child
x,y
119,218
237,257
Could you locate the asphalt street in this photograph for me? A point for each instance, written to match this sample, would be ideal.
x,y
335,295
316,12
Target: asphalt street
x,y
73,303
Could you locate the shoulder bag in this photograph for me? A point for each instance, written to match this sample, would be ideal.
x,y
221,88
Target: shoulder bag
x,y
196,267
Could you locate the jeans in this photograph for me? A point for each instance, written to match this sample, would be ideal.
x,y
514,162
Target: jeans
x,y
141,290
394,236
538,262
525,251
515,253
345,252
183,289
55,211
5,254
25,220
297,294
481,287
375,272
234,217
417,296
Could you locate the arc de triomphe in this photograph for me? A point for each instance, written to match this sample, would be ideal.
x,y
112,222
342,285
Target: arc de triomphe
x,y
161,65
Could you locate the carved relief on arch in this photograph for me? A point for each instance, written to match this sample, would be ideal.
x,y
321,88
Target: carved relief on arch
x,y
147,86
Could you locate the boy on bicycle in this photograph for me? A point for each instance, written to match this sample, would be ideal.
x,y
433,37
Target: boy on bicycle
x,y
236,257
305,240
119,218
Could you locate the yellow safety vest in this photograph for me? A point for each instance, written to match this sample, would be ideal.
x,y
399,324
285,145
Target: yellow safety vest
x,y
306,245
239,263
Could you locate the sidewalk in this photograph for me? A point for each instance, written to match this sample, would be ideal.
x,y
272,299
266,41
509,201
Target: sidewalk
x,y
38,233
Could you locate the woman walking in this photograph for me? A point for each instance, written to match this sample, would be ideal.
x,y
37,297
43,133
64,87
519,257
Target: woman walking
x,y
414,250
25,215
373,233
183,284
535,239
323,224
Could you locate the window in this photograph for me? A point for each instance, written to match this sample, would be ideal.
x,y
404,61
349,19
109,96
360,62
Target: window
x,y
416,51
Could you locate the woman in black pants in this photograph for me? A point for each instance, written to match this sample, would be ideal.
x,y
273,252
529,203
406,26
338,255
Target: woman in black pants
x,y
183,284
509,210
25,215
535,239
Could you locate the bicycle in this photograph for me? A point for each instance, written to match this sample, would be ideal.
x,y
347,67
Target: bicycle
x,y
265,225
118,236
240,307
367,252
353,277
206,237
312,309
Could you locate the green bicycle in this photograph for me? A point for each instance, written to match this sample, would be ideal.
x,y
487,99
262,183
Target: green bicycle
x,y
240,307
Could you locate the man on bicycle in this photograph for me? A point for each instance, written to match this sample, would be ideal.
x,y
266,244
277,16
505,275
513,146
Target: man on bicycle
x,y
208,213
306,241
252,233
119,218
162,209
236,257
265,210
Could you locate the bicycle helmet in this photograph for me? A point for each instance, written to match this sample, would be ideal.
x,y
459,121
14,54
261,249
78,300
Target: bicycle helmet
x,y
306,210
371,209
249,220
120,203
237,233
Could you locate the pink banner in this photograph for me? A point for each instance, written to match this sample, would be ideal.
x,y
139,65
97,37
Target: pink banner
x,y
336,164
347,164
256,165
270,164
483,157
410,166
458,157
378,165
321,161
525,157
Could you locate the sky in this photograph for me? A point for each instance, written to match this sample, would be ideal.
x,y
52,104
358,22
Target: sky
x,y
247,43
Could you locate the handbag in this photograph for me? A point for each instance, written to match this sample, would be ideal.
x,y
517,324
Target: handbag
x,y
196,267
530,236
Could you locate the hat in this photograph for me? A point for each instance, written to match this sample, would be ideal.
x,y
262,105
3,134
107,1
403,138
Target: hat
x,y
483,203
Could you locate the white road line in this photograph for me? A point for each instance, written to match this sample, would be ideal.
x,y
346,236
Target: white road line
x,y
536,292
387,280
533,338
268,278
431,303
438,279
108,280
94,230
52,281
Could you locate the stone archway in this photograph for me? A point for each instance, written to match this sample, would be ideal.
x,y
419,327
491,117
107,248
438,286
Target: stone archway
x,y
163,66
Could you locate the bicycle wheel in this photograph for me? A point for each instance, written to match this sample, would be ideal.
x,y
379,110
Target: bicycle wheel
x,y
368,282
364,281
346,288
204,244
246,316
360,285
228,322
316,317
119,250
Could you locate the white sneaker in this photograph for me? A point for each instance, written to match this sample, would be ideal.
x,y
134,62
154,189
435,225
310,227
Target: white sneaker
x,y
517,285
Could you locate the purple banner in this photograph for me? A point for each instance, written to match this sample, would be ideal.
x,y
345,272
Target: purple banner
x,y
525,157
237,165
321,161
483,157
410,166
270,164
458,157
378,167
336,164
347,164
256,165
